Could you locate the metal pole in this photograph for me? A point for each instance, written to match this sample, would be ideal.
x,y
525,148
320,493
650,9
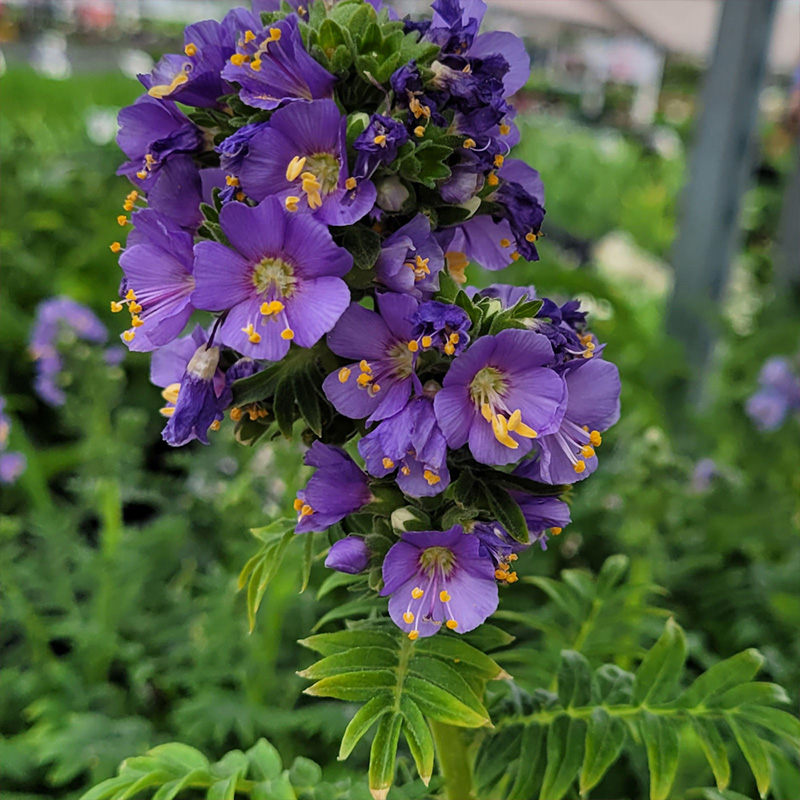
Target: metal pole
x,y
720,168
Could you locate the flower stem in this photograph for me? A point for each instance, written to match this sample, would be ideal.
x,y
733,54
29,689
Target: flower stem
x,y
454,766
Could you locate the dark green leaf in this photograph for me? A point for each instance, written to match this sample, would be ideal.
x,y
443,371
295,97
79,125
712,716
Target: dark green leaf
x,y
532,763
440,705
358,658
605,736
565,741
660,738
753,750
659,672
714,749
418,736
355,686
737,669
362,721
574,680
382,755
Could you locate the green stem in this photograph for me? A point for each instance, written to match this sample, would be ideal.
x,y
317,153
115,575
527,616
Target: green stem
x,y
453,761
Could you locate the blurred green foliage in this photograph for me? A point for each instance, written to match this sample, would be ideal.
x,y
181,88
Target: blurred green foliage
x,y
122,628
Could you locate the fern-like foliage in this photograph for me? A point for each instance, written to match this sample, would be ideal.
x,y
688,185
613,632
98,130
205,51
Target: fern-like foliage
x,y
176,770
579,731
402,684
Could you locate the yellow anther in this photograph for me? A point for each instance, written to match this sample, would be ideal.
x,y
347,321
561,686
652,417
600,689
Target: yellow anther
x,y
413,346
427,341
298,504
252,413
512,578
419,131
271,308
364,366
215,425
116,307
132,195
141,174
231,180
595,438
249,36
516,425
236,414
135,308
287,333
350,184
238,59
531,237
512,556
128,336
380,139
149,159
500,574
363,380
408,617
262,412
122,220
128,205
515,256
422,264
455,338
498,160
275,34
579,467
505,243
306,510
254,338
130,295
166,89
136,321
374,389
492,180
444,596
416,593
486,412
500,429
589,345
416,107
587,451
431,477
505,130
469,144
344,374
556,531
587,353
413,635
291,203
295,167
452,624
167,411
449,349
255,65
388,463
190,49
405,470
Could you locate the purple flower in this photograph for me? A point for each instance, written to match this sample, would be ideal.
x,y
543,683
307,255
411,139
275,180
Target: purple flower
x,y
194,78
779,394
410,259
520,196
443,326
377,145
438,577
379,385
197,407
498,396
543,514
272,66
169,367
568,454
301,158
412,444
12,464
482,241
158,281
350,555
705,472
233,150
281,282
57,320
338,488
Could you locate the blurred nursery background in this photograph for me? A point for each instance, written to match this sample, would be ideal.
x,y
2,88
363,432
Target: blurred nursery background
x,y
666,132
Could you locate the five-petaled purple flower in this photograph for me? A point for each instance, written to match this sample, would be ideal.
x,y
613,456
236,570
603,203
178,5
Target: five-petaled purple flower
x,y
380,383
412,444
339,487
437,578
410,259
592,406
498,396
301,158
281,282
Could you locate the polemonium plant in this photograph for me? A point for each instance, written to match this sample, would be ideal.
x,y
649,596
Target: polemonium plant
x,y
311,181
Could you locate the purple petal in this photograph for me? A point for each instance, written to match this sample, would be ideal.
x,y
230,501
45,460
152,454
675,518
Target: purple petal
x,y
349,398
513,49
360,333
223,278
454,413
311,247
594,388
315,307
256,232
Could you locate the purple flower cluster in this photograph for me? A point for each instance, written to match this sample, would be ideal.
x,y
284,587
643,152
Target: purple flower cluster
x,y
309,219
778,394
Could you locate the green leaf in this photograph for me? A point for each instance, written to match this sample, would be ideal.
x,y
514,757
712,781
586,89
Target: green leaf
x,y
329,643
574,680
362,721
531,764
565,742
760,693
753,750
659,672
419,738
439,704
363,244
458,653
448,288
283,405
223,790
661,742
354,686
723,676
605,736
352,660
305,773
181,755
774,720
611,573
308,558
309,403
507,512
488,637
714,749
382,755
265,762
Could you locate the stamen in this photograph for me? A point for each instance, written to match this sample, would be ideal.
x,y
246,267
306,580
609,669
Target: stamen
x,y
587,451
413,635
295,167
236,414
388,463
215,425
579,467
164,90
275,34
498,160
419,131
364,366
505,129
287,334
505,243
531,237
306,510
122,220
291,203
492,180
238,59
136,321
128,336
469,144
444,596
141,174
452,624
190,49
413,346
431,477
252,334
271,308
116,307
344,374
249,36
167,411
556,531
405,470
231,180
427,341
595,438
515,256
380,139
350,184
363,380
516,425
255,65
408,617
